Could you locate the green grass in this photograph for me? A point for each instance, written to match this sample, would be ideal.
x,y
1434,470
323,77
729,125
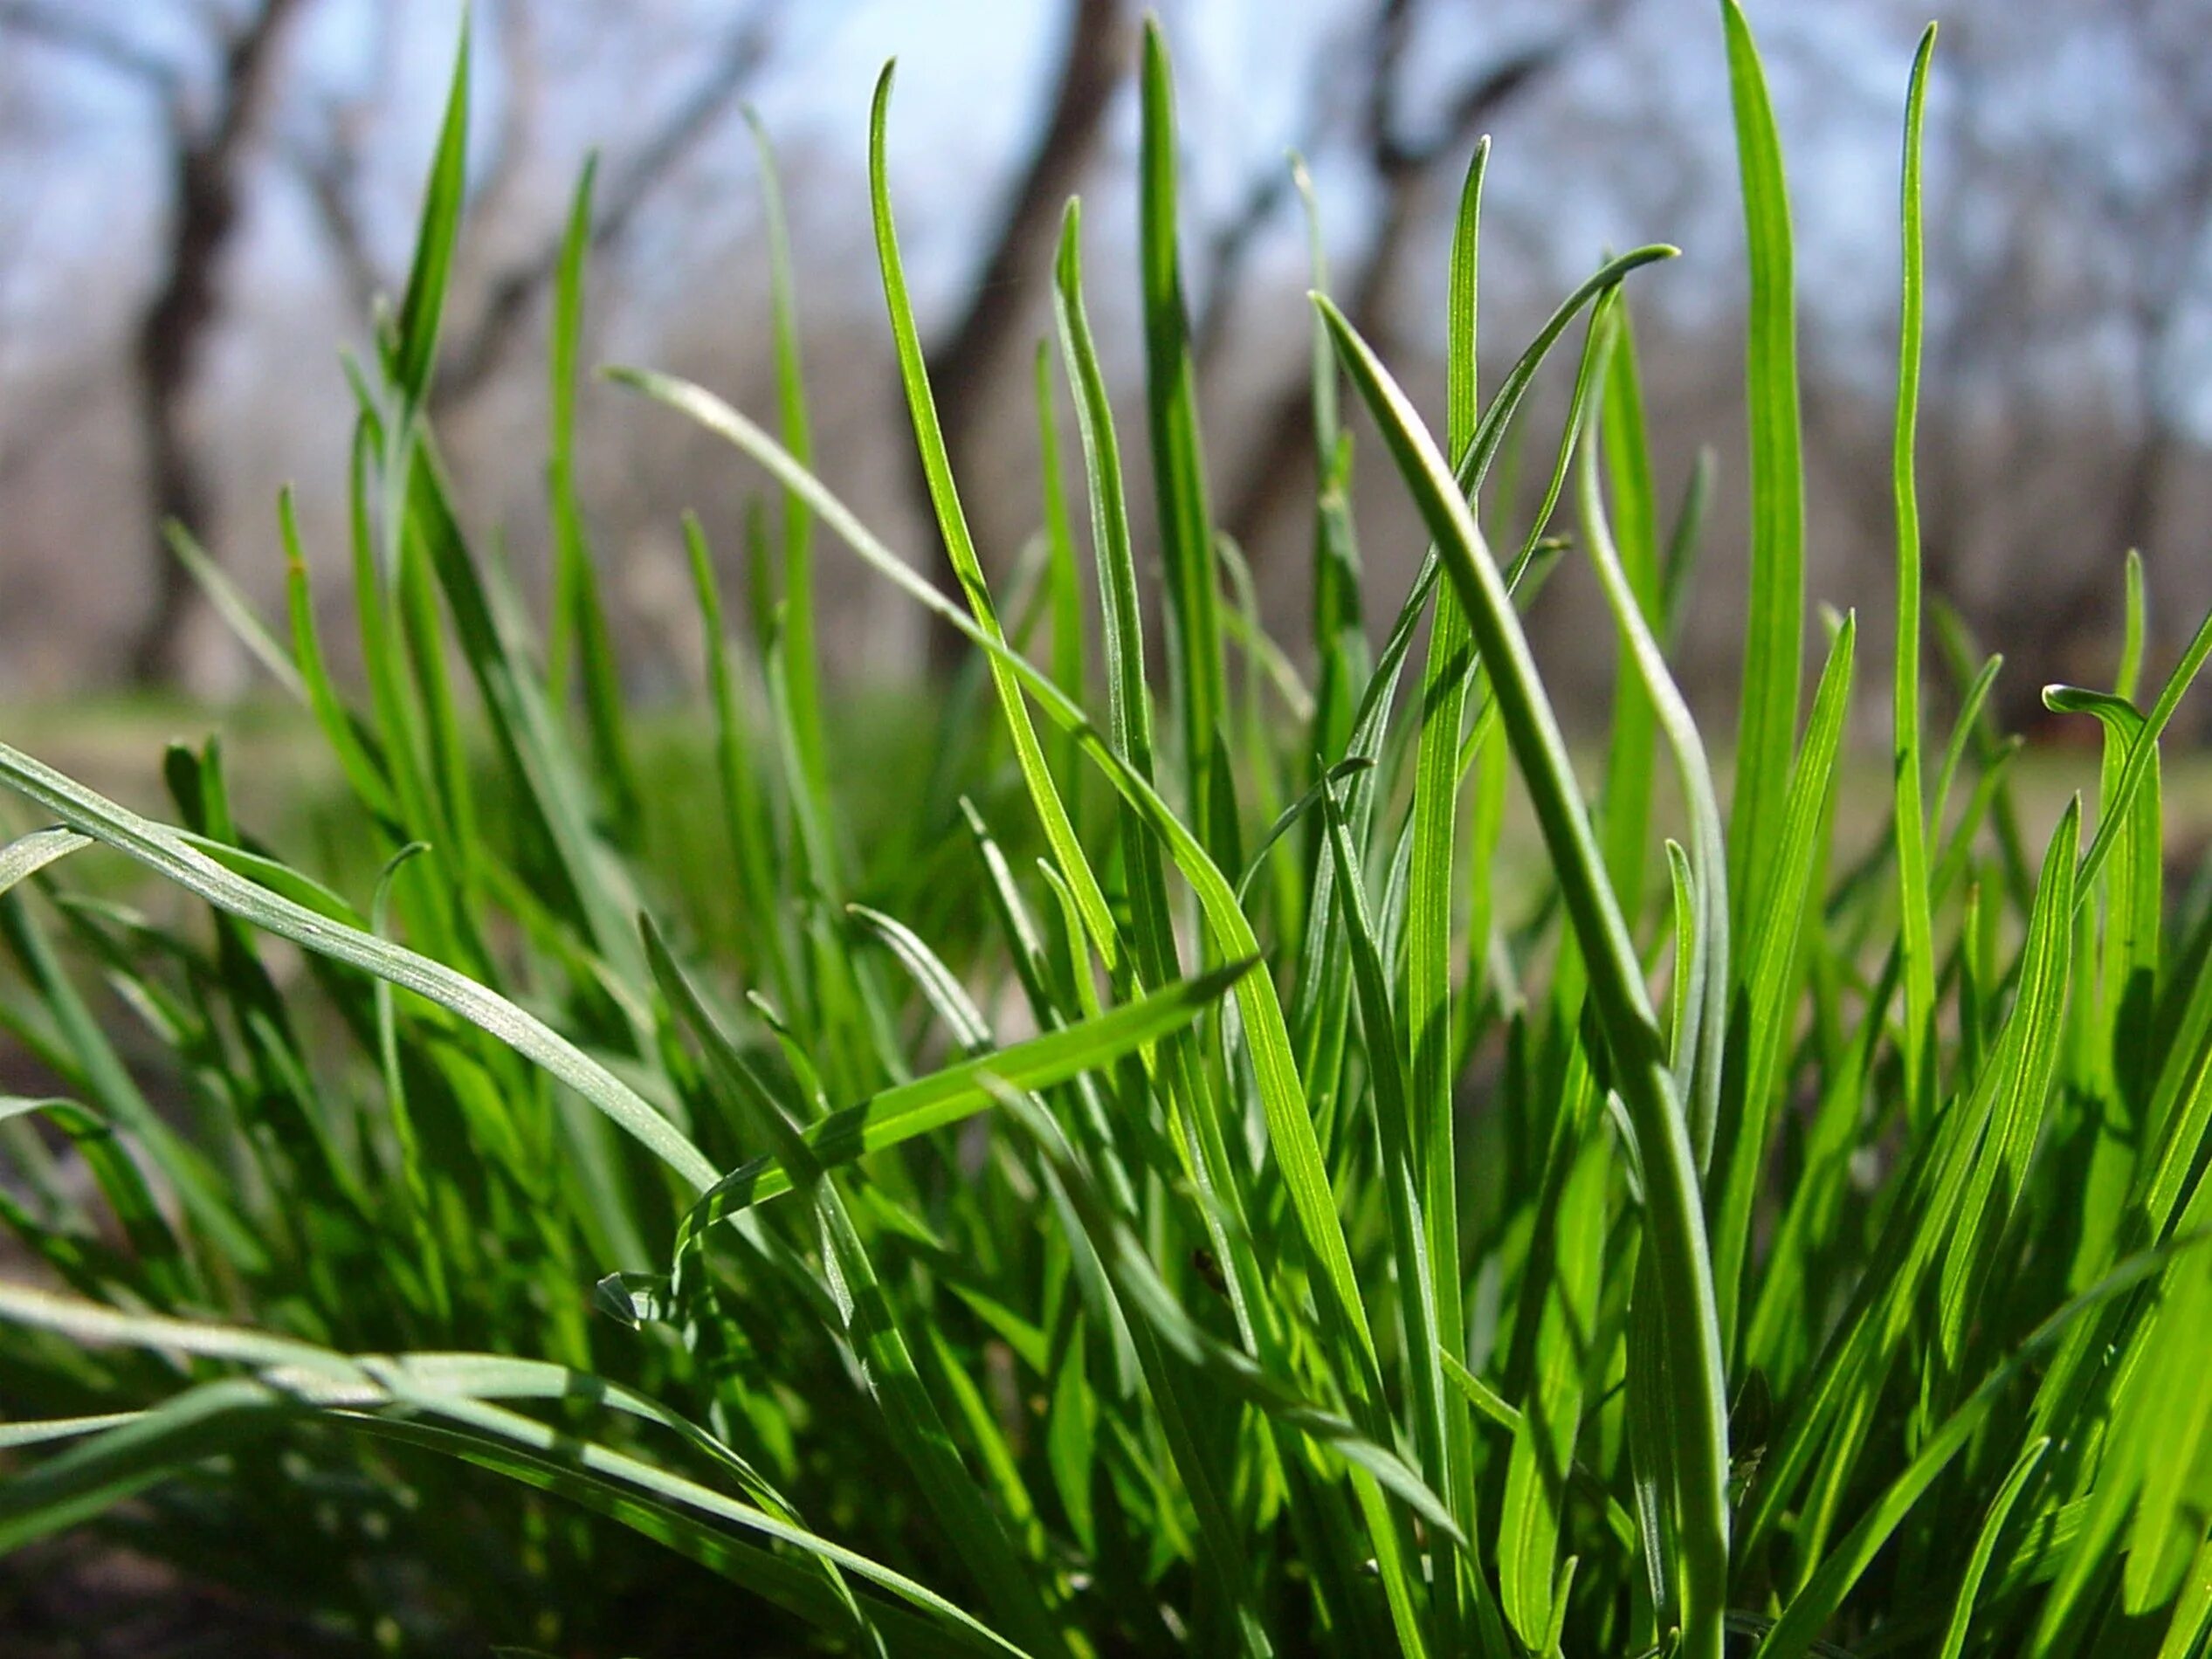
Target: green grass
x,y
1161,1155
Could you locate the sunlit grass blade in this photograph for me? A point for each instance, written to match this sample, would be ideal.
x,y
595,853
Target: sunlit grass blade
x,y
1812,1607
1179,462
952,525
1434,1167
1917,942
911,1109
1773,630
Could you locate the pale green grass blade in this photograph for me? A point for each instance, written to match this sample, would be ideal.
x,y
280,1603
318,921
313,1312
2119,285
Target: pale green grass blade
x,y
804,664
1917,943
1700,1030
236,609
27,855
1626,818
1773,630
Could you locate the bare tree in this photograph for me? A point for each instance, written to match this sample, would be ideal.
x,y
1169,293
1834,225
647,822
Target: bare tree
x,y
514,297
1403,163
209,141
967,368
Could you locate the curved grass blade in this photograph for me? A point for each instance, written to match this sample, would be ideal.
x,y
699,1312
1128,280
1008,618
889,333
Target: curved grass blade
x,y
952,525
1674,1214
27,855
2142,755
1702,988
945,1096
168,854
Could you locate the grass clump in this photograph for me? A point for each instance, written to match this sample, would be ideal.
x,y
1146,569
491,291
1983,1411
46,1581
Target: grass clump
x,y
1165,1195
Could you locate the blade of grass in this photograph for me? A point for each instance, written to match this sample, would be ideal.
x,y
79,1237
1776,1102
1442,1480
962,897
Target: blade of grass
x,y
1674,1213
1773,632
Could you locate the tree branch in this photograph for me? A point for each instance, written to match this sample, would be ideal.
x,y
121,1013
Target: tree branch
x,y
965,369
87,38
1402,164
514,296
205,169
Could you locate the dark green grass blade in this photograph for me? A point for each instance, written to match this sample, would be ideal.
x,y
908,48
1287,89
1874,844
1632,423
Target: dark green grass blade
x,y
412,349
803,653
1985,1544
578,615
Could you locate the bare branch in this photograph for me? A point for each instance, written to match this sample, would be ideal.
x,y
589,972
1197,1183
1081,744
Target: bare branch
x,y
514,295
1402,163
88,38
964,370
206,167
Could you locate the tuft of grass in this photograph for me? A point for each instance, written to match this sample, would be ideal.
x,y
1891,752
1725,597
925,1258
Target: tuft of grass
x,y
1221,1212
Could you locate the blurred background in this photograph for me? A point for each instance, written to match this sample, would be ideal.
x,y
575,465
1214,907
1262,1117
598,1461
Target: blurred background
x,y
201,200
